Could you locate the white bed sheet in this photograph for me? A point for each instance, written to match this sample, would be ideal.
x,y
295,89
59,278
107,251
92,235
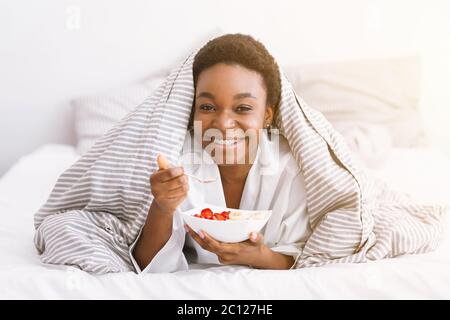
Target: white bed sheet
x,y
27,184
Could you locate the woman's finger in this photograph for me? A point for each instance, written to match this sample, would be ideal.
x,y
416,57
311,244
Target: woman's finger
x,y
196,237
159,185
256,238
217,246
167,174
176,183
179,192
163,163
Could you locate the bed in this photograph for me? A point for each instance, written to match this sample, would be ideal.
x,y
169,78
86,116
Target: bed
x,y
22,276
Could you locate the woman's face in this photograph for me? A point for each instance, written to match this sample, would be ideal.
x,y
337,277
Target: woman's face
x,y
230,108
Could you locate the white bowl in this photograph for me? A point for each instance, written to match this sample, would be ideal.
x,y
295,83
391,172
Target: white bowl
x,y
230,231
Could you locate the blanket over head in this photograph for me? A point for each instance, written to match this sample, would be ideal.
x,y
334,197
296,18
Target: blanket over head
x,y
98,205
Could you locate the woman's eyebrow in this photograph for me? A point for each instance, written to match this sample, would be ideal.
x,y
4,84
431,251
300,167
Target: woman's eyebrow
x,y
206,95
243,95
236,96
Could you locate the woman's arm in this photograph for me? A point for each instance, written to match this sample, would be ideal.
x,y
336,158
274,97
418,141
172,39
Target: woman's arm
x,y
155,233
169,187
269,259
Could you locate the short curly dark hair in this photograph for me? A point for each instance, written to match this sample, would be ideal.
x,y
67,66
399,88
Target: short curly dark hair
x,y
243,50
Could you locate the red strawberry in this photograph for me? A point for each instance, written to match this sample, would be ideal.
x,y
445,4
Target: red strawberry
x,y
220,217
207,213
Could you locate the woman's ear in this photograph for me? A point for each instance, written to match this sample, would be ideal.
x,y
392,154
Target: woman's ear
x,y
268,116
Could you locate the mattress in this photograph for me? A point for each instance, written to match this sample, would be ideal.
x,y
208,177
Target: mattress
x,y
422,172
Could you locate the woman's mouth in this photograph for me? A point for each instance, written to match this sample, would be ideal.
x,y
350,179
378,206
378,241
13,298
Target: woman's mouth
x,y
227,142
228,151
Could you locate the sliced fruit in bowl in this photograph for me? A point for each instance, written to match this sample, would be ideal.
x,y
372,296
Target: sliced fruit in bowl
x,y
226,224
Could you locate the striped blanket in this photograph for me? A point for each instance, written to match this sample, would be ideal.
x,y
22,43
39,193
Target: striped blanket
x,y
98,205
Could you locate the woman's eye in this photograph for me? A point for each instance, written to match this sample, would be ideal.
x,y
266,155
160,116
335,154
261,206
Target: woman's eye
x,y
206,107
243,108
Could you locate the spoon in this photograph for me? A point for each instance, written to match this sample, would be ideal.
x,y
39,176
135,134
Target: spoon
x,y
209,180
164,164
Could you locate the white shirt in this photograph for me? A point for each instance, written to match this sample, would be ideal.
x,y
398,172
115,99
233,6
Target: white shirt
x,y
273,183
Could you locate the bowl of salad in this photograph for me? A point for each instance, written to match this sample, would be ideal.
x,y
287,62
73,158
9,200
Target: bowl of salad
x,y
225,224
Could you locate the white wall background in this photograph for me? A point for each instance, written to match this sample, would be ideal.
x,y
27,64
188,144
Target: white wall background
x,y
54,50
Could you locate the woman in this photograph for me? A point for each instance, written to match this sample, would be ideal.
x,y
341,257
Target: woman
x,y
114,211
237,91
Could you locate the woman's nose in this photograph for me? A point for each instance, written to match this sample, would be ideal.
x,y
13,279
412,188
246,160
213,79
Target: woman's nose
x,y
224,121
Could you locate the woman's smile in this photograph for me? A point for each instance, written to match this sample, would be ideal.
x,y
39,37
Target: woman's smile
x,y
228,151
228,143
230,109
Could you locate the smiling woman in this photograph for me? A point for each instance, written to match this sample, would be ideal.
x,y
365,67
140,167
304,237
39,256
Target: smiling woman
x,y
231,108
237,91
116,210
237,85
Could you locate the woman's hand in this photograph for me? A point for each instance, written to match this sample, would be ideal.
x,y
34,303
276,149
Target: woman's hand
x,y
252,252
246,252
169,186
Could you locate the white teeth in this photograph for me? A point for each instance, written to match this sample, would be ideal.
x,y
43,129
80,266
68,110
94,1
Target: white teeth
x,y
225,142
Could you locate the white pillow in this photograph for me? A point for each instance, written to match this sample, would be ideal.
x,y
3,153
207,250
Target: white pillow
x,y
369,143
383,92
95,115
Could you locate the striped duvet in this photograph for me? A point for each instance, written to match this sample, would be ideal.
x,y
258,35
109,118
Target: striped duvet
x,y
98,205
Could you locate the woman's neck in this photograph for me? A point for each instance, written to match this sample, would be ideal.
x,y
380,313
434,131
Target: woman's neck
x,y
232,174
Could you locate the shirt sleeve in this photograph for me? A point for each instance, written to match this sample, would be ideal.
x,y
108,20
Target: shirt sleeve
x,y
170,257
294,227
